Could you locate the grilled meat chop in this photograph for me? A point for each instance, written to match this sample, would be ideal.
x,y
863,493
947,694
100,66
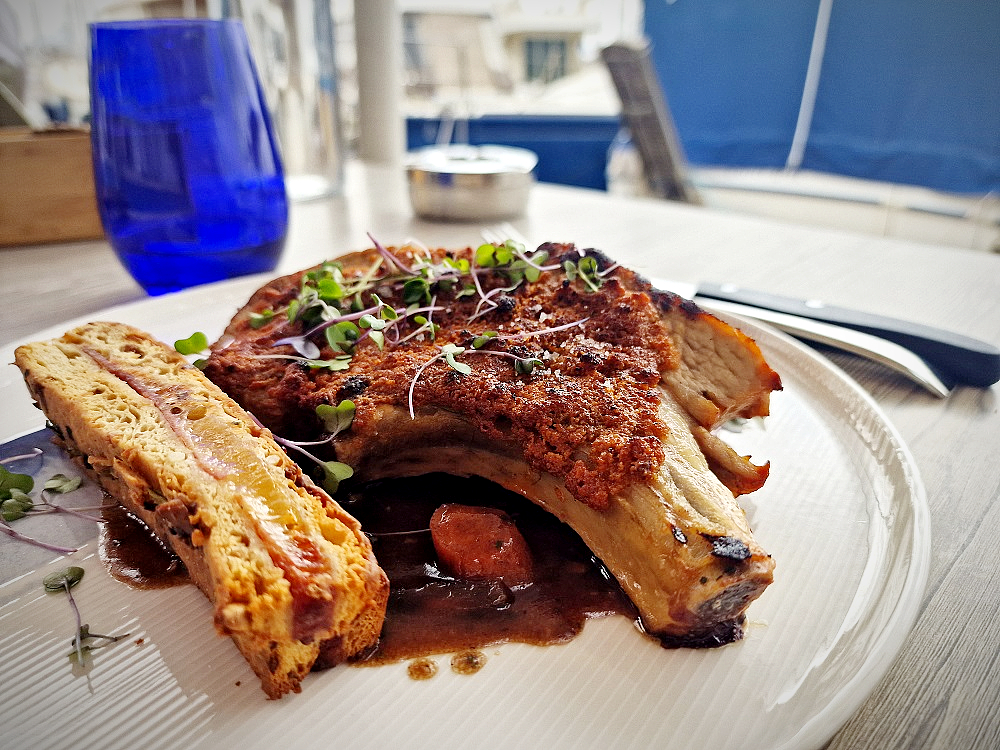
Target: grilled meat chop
x,y
556,374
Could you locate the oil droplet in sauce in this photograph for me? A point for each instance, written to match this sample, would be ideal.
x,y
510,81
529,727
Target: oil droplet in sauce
x,y
422,669
468,662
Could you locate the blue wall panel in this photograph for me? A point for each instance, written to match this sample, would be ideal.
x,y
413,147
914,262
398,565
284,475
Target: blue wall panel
x,y
909,90
572,150
732,72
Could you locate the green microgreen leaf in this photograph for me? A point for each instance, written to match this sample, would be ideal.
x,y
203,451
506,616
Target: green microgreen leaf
x,y
370,321
461,265
416,291
589,271
329,290
586,270
378,338
262,318
63,580
61,484
451,351
486,255
341,336
385,311
337,418
16,506
337,364
334,472
10,481
525,365
194,344
483,339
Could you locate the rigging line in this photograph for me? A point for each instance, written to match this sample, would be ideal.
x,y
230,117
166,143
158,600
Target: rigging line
x,y
808,102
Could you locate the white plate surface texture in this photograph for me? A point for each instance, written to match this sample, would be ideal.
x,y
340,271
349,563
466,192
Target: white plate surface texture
x,y
843,514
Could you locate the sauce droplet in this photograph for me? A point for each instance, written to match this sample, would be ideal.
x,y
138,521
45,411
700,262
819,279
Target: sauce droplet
x,y
422,669
468,662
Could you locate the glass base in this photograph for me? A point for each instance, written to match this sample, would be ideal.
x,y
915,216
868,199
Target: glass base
x,y
310,187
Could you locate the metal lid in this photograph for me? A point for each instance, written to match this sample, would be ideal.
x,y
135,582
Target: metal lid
x,y
459,158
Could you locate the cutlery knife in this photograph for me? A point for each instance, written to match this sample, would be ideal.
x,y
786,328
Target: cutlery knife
x,y
884,351
955,357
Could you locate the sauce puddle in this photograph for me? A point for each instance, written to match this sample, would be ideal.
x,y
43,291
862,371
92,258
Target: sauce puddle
x,y
133,554
429,611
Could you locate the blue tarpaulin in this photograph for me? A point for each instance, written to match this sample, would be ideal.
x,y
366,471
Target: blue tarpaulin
x,y
907,91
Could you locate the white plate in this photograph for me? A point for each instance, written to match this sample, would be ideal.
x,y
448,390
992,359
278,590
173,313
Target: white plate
x,y
843,513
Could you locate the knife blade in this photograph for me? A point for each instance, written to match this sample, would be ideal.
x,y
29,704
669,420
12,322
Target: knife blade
x,y
887,353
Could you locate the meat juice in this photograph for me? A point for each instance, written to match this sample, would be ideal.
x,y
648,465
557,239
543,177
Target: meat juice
x,y
429,611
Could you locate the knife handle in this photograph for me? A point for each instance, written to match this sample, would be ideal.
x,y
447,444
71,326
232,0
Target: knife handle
x,y
961,358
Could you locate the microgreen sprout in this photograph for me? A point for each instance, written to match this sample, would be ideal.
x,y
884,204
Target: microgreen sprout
x,y
16,503
450,352
483,339
335,419
586,270
334,305
196,343
262,318
66,580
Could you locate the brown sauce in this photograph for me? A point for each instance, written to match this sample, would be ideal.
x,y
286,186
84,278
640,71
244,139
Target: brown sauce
x,y
133,554
431,612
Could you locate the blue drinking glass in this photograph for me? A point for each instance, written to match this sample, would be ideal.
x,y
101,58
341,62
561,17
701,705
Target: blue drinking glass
x,y
189,181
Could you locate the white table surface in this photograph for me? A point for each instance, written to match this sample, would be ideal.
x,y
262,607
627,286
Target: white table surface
x,y
944,688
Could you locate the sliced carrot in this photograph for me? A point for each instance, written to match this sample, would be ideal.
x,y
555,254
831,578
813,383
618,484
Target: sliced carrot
x,y
480,543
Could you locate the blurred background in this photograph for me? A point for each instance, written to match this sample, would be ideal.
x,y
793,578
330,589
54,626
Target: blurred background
x,y
875,117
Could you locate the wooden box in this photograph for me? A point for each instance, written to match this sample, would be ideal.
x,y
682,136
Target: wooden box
x,y
46,187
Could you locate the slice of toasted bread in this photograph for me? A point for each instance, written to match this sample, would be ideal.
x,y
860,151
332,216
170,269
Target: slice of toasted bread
x,y
292,578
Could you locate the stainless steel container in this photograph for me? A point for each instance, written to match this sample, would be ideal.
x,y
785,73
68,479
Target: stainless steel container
x,y
470,183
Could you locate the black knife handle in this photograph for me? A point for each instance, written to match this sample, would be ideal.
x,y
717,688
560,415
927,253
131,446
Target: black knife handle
x,y
960,358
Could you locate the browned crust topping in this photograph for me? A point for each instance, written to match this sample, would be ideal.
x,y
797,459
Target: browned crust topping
x,y
588,415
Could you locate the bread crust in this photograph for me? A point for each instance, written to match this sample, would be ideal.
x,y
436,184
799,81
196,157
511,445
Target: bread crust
x,y
292,578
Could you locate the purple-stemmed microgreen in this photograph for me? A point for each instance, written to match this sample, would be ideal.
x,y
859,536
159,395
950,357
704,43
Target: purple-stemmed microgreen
x,y
332,304
16,503
66,580
335,419
306,348
585,269
448,352
195,344
337,363
33,453
391,259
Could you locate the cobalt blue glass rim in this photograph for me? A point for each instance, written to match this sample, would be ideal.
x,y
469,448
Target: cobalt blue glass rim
x,y
155,23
